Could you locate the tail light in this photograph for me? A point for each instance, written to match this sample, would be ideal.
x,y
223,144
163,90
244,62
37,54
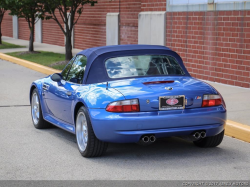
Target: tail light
x,y
158,82
211,100
124,106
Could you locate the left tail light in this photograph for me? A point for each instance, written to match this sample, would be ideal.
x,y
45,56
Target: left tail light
x,y
211,100
131,105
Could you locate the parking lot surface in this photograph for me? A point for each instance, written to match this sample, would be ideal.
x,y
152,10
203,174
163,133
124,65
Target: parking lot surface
x,y
52,154
238,104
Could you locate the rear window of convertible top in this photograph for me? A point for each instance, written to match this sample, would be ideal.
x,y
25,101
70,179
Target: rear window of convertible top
x,y
144,65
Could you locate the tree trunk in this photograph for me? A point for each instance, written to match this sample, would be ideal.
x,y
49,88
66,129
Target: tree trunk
x,y
31,42
1,18
0,33
68,47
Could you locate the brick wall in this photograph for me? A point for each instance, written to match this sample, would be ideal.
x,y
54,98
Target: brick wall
x,y
91,28
23,29
51,32
7,29
214,46
129,11
153,5
90,31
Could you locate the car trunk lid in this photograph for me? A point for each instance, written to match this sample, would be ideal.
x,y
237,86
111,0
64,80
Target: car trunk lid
x,y
148,90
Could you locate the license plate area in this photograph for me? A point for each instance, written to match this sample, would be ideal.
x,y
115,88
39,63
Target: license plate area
x,y
176,102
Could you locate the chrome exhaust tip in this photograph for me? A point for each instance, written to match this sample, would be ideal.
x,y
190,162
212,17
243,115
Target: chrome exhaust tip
x,y
196,135
145,139
152,138
203,134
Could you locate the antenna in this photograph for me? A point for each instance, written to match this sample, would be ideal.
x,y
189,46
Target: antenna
x,y
107,85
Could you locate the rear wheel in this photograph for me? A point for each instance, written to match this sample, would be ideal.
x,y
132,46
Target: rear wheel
x,y
88,144
211,141
36,112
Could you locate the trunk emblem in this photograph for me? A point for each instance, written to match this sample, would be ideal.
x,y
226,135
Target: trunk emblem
x,y
172,101
148,101
168,88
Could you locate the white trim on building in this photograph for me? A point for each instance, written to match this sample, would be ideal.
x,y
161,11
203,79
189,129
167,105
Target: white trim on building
x,y
206,5
15,26
112,29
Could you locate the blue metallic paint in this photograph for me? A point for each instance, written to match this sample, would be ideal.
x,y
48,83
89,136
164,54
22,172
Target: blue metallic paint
x,y
127,127
58,108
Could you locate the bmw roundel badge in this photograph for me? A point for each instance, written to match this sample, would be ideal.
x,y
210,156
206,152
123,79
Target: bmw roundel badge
x,y
168,88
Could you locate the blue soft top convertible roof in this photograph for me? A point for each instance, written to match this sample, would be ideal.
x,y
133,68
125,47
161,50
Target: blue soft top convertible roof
x,y
95,71
96,51
114,48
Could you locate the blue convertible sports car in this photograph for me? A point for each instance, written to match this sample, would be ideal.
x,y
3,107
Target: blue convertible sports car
x,y
126,94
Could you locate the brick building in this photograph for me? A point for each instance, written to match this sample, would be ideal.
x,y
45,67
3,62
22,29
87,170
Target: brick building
x,y
212,36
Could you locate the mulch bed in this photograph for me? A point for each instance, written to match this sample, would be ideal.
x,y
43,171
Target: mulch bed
x,y
28,52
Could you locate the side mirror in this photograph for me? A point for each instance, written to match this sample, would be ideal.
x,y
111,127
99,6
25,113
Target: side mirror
x,y
56,77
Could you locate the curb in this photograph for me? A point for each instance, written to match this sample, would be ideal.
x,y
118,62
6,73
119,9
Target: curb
x,y
237,130
30,65
232,129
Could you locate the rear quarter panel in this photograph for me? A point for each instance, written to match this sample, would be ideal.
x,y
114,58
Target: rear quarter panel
x,y
97,95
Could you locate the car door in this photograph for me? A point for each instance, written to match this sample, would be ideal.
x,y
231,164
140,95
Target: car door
x,y
61,95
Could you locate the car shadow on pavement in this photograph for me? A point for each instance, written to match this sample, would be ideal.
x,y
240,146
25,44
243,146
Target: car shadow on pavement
x,y
170,150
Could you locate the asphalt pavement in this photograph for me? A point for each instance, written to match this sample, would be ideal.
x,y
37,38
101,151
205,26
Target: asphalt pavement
x,y
27,153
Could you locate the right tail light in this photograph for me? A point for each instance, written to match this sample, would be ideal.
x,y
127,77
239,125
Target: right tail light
x,y
211,100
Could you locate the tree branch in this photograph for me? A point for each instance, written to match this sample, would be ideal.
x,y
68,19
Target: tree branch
x,y
61,13
55,18
65,15
59,25
77,19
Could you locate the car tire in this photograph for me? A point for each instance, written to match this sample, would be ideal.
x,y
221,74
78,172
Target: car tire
x,y
87,142
211,141
36,112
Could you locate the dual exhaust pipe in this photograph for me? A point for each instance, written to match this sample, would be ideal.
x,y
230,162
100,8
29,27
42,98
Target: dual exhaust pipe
x,y
147,139
198,135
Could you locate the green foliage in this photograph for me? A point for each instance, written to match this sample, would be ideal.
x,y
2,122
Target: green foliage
x,y
3,8
30,10
72,7
3,5
69,12
27,9
45,58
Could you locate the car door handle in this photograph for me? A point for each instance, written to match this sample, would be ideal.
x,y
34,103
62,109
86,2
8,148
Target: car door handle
x,y
68,93
45,87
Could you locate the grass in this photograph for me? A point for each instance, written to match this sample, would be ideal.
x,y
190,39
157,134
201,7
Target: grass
x,y
6,45
44,58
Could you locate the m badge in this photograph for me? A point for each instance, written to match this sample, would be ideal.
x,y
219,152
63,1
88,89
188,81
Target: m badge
x,y
198,97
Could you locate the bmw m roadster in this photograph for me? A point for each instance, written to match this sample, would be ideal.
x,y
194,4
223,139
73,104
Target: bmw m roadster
x,y
128,94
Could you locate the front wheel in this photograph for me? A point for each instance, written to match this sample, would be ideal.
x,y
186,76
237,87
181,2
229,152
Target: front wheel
x,y
36,112
88,144
211,141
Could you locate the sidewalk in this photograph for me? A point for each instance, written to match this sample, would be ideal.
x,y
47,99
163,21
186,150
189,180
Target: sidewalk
x,y
236,98
237,102
37,46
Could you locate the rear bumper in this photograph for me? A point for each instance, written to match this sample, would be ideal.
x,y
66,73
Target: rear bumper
x,y
129,127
